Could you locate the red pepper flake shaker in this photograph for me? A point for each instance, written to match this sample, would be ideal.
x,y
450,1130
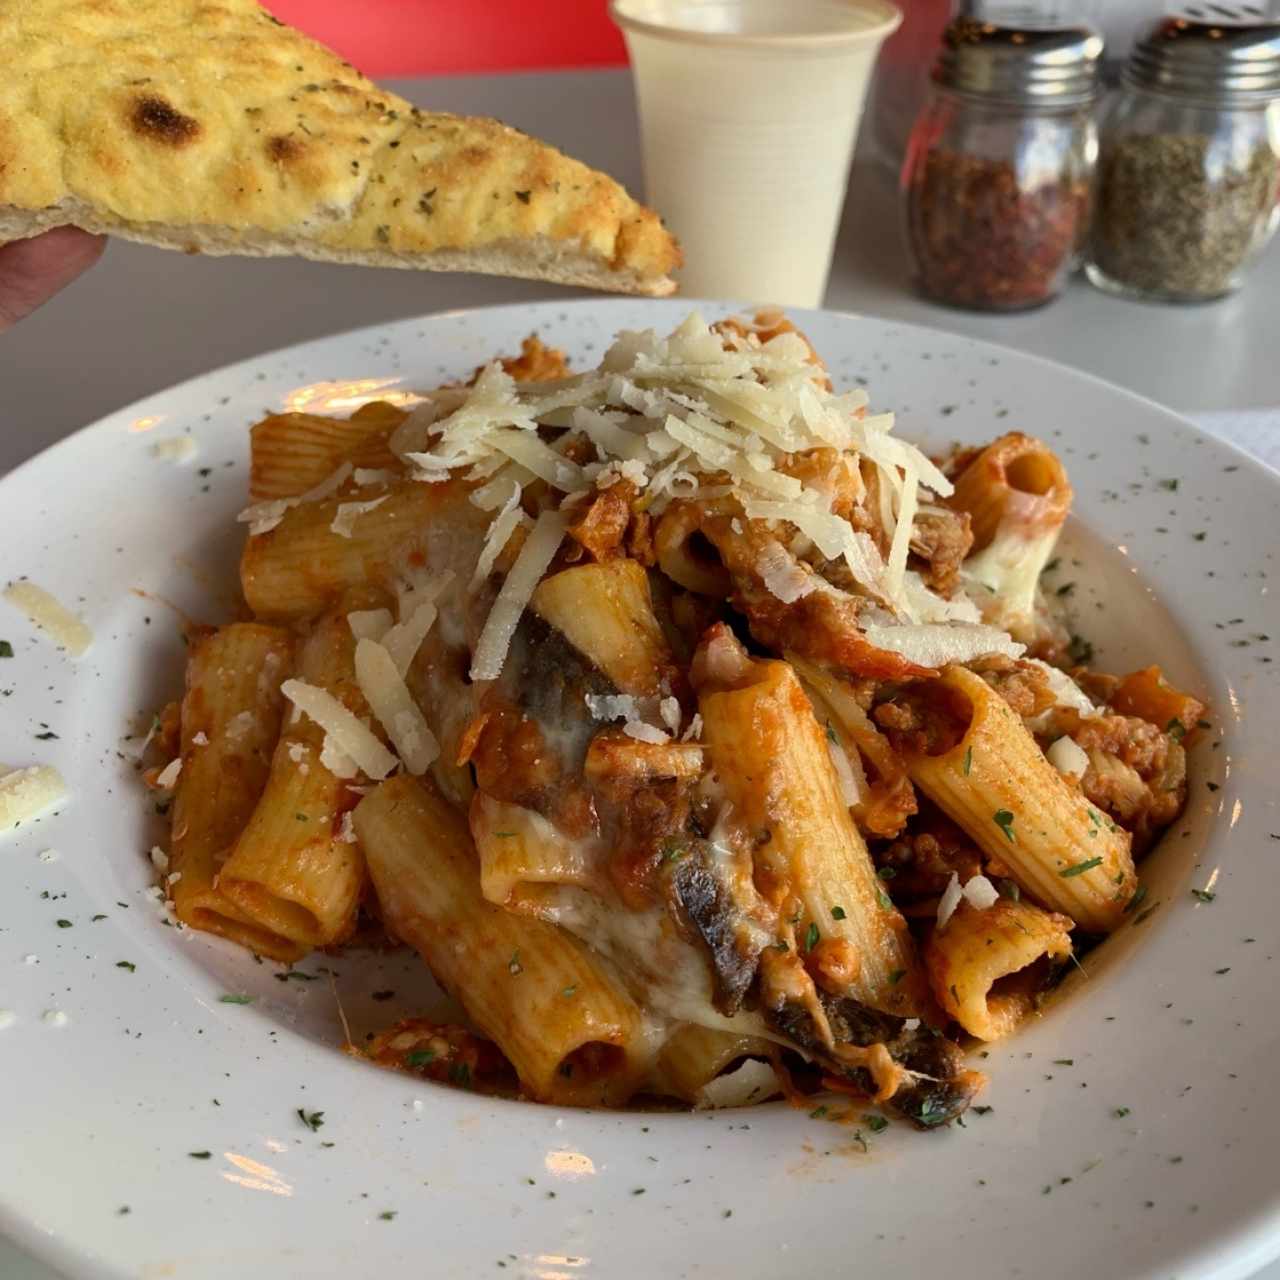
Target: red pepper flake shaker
x,y
997,182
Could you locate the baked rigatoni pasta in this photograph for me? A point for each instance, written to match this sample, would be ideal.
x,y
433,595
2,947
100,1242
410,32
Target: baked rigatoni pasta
x,y
230,721
1017,496
771,757
705,740
296,868
981,963
293,452
996,784
571,1032
694,1057
604,611
378,542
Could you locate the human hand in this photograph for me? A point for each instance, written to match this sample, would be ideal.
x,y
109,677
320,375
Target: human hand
x,y
32,271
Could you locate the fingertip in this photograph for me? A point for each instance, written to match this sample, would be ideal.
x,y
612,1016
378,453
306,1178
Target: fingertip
x,y
72,242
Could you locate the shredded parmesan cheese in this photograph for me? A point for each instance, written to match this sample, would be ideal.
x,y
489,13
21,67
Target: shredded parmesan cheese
x,y
850,792
669,710
642,732
782,574
754,1081
27,793
344,519
533,561
369,624
262,517
404,640
937,644
176,450
499,533
1068,757
1065,690
333,758
391,702
350,735
692,414
980,893
57,622
612,706
950,900
167,778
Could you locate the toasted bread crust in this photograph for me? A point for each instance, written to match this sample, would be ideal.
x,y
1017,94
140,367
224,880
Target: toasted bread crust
x,y
208,125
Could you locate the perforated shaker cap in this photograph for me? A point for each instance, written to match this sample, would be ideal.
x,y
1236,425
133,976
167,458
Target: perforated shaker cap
x,y
1019,64
1210,51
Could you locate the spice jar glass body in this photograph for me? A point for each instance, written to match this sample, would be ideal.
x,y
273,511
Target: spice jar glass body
x,y
1187,195
997,199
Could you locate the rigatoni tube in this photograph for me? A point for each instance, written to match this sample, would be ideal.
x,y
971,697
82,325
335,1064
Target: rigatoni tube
x,y
1017,495
604,611
301,567
694,1055
770,756
230,722
294,869
292,452
571,1032
997,785
983,964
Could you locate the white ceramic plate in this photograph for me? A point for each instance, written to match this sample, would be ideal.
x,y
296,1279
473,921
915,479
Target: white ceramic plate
x,y
1150,1153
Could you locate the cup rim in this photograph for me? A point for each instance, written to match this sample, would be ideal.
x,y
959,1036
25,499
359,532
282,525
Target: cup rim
x,y
890,19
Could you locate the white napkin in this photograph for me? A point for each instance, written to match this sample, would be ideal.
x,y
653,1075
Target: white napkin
x,y
1256,431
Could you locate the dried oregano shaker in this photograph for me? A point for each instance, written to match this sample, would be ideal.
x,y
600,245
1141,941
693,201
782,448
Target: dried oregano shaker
x,y
1188,184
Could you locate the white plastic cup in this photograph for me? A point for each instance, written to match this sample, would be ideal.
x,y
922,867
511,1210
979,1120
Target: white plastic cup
x,y
749,111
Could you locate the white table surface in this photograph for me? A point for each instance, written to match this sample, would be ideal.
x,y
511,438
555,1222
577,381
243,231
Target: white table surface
x,y
144,319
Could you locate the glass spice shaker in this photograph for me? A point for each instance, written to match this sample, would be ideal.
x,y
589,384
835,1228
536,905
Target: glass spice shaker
x,y
997,179
1189,160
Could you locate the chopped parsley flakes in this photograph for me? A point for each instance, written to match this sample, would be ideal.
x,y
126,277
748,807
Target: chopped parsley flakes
x,y
312,1119
235,999
1004,820
1079,868
837,913
1136,901
811,936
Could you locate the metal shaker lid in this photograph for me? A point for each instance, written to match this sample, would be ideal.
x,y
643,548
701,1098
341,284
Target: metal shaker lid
x,y
1016,64
1210,51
